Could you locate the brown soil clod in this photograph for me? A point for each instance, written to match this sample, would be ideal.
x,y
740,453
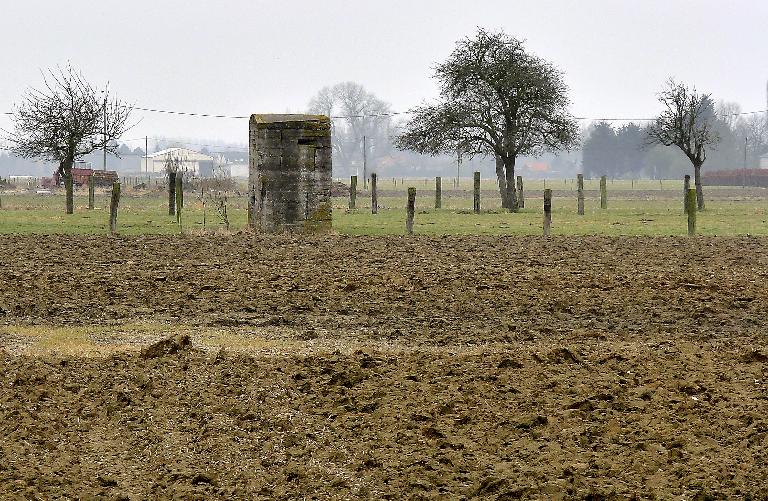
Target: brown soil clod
x,y
106,481
563,355
530,422
203,478
509,363
755,356
167,346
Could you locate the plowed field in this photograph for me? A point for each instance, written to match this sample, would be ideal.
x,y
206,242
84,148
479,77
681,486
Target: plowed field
x,y
384,368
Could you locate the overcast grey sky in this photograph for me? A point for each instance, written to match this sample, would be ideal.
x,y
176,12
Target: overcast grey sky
x,y
238,57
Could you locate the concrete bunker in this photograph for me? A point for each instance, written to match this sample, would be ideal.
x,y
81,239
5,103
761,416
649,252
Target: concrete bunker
x,y
290,173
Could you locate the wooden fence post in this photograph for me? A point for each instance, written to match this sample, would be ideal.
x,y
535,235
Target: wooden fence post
x,y
603,192
580,194
353,192
438,192
691,210
476,193
410,209
547,211
91,192
686,187
374,195
520,194
171,193
179,196
113,204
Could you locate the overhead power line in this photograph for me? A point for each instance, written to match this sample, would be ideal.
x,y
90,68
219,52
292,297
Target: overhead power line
x,y
393,113
243,117
409,112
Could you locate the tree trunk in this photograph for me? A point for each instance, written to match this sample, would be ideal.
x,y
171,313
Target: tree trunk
x,y
699,190
69,187
511,191
502,182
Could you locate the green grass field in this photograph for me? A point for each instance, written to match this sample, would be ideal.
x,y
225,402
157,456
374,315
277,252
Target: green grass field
x,y
634,208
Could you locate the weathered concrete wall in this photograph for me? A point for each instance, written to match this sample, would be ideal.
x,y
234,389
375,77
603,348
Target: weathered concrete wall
x,y
290,173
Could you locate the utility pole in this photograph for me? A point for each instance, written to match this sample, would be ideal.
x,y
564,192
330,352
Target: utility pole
x,y
744,171
146,154
365,167
105,131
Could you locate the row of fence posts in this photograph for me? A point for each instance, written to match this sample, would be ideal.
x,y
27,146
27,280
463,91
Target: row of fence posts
x,y
456,183
689,199
136,181
114,202
175,199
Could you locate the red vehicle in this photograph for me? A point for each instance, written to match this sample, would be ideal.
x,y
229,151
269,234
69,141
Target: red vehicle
x,y
80,177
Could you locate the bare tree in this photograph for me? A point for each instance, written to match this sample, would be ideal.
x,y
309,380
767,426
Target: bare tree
x,y
687,122
65,120
728,112
364,115
219,184
752,132
497,99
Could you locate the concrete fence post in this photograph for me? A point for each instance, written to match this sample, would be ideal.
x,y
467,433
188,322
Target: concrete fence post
x,y
374,195
476,193
113,205
520,194
438,192
410,209
91,192
171,193
580,194
691,210
686,187
353,192
179,196
547,211
603,192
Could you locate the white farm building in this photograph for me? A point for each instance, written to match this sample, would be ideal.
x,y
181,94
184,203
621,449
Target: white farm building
x,y
189,161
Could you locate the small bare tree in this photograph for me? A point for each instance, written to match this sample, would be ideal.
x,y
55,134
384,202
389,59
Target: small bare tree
x,y
65,120
688,123
219,185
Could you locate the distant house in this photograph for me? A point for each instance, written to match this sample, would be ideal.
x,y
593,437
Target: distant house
x,y
189,161
764,161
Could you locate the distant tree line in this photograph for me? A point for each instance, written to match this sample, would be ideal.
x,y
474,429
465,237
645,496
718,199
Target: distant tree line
x,y
622,151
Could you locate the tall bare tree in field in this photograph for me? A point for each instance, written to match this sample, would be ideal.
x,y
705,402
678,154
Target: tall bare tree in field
x,y
496,99
365,115
687,122
66,119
